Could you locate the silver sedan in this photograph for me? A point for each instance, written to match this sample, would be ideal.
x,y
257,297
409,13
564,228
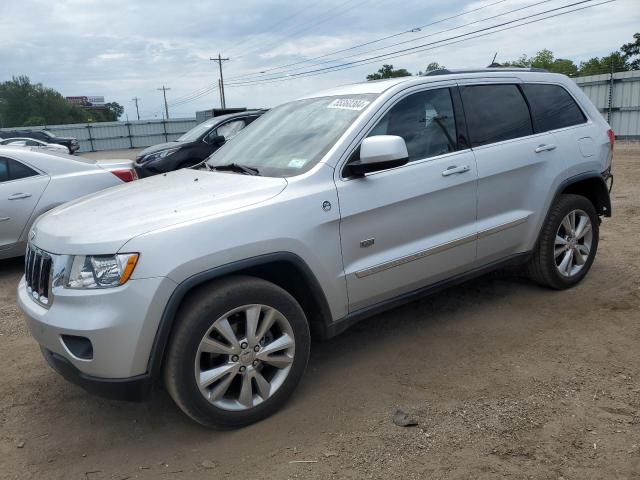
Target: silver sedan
x,y
35,144
33,182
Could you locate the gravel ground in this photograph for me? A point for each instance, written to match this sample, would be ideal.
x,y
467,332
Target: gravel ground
x,y
505,379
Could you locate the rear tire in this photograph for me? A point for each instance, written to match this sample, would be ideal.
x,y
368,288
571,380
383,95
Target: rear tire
x,y
567,245
247,334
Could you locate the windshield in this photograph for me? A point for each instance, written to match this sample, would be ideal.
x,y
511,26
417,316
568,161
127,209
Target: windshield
x,y
198,130
290,139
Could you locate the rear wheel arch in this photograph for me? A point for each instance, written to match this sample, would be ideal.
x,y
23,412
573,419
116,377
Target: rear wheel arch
x,y
284,269
591,186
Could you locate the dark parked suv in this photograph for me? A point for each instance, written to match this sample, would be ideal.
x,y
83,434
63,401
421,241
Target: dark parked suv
x,y
195,145
44,135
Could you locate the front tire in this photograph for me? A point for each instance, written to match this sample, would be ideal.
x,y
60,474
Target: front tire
x,y
238,350
567,245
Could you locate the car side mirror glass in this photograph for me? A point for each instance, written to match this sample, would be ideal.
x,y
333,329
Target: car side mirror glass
x,y
379,152
215,139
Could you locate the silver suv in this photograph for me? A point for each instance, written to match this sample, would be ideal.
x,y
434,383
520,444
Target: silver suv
x,y
324,211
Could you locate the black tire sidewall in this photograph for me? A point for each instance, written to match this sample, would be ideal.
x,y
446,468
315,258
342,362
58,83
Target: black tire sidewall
x,y
199,319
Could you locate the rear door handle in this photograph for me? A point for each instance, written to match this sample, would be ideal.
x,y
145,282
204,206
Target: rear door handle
x,y
545,148
18,196
453,169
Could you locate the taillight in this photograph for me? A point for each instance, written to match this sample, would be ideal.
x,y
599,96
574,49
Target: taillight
x,y
128,175
612,138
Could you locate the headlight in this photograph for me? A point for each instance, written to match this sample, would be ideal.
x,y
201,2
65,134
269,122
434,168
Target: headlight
x,y
158,155
100,271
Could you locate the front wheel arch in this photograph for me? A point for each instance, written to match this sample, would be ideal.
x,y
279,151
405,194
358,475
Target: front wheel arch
x,y
285,269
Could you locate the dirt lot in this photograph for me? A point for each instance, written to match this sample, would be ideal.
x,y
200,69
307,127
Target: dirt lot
x,y
505,379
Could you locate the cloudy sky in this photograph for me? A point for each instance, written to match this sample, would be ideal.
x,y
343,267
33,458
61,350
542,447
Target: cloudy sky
x,y
126,48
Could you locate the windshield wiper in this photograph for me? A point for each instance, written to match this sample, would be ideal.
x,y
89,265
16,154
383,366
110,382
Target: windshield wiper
x,y
235,167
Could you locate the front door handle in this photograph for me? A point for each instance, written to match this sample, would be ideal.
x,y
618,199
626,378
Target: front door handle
x,y
18,196
453,169
545,148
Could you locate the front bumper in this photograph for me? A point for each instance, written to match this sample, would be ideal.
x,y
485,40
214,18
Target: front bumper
x,y
133,389
121,324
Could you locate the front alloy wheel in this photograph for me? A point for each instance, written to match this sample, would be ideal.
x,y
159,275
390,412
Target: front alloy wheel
x,y
237,351
244,357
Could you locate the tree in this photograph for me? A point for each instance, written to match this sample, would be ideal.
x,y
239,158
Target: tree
x,y
615,62
632,49
545,59
115,110
431,67
26,103
387,71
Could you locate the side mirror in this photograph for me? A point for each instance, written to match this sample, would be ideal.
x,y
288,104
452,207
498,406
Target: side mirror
x,y
379,152
215,140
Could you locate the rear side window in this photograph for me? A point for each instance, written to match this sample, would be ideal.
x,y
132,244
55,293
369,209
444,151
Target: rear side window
x,y
4,170
13,170
495,113
552,107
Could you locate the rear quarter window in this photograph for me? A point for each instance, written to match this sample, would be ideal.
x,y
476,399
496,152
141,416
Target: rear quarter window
x,y
552,107
495,113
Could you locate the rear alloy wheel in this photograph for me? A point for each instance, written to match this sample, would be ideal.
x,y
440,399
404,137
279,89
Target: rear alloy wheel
x,y
573,243
237,352
567,245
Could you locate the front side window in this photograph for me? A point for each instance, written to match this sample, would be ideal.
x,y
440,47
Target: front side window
x,y
291,138
495,113
552,107
426,122
230,129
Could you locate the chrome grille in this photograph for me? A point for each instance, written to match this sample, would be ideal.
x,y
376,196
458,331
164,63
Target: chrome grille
x,y
37,274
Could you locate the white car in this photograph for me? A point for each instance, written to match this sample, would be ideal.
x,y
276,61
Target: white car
x,y
36,144
32,183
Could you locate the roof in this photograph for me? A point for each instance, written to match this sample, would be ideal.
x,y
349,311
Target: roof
x,y
379,86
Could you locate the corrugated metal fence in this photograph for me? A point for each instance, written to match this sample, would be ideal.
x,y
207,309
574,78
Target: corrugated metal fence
x,y
617,97
119,135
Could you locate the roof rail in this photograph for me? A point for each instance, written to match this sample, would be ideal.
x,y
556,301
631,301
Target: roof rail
x,y
444,71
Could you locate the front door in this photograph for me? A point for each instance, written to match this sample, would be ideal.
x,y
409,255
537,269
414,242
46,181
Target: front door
x,y
407,227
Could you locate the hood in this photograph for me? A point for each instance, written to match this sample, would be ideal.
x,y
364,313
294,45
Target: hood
x,y
159,147
103,222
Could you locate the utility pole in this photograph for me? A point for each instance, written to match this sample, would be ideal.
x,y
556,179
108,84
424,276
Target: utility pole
x,y
135,100
220,60
166,107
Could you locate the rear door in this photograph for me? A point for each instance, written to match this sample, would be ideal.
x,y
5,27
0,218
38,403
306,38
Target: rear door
x,y
410,226
516,167
20,189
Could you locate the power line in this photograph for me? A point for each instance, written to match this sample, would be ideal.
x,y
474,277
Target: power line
x,y
205,90
308,26
419,48
164,93
415,39
278,23
412,30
